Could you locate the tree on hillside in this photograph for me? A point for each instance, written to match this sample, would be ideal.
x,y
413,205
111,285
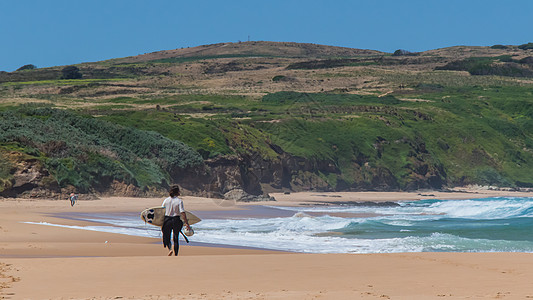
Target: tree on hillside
x,y
27,67
71,72
402,52
527,46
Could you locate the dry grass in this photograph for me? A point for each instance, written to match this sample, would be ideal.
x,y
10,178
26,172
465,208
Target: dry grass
x,y
253,76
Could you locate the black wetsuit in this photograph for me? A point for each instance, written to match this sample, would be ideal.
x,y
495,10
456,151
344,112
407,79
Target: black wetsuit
x,y
171,224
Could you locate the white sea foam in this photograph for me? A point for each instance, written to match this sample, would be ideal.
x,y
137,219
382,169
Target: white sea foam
x,y
495,208
132,230
489,208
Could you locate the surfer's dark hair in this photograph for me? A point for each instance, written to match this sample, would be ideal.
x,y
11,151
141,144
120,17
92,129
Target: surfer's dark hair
x,y
174,191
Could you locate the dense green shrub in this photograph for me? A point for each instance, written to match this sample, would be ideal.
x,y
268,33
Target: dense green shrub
x,y
526,46
5,172
527,60
71,72
402,52
31,75
500,66
86,152
490,176
430,86
450,130
507,69
27,67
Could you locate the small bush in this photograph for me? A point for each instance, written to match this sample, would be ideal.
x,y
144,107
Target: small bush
x,y
489,66
279,78
527,60
430,86
499,47
27,67
71,72
490,176
401,52
527,46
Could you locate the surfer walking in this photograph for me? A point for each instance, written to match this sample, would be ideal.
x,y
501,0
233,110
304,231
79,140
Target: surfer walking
x,y
175,218
73,198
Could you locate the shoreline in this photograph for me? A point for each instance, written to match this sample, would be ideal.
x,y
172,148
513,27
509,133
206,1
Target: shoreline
x,y
379,197
66,263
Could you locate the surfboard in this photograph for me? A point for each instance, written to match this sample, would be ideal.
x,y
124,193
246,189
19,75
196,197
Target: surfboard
x,y
156,216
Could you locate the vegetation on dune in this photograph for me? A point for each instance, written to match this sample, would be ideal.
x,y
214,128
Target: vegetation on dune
x,y
27,67
88,153
71,72
501,66
402,52
210,137
5,172
527,46
396,59
475,135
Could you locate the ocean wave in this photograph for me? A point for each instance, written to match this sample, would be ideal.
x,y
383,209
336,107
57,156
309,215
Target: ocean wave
x,y
488,208
484,208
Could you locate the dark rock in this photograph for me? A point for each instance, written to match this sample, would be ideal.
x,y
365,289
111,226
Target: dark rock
x,y
240,195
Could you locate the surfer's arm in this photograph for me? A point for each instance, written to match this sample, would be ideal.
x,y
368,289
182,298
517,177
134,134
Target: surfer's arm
x,y
185,220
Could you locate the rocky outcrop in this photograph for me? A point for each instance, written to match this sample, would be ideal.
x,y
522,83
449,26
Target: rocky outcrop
x,y
26,177
239,195
213,179
255,176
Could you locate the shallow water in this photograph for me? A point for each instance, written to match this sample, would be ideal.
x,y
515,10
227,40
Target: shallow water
x,y
477,225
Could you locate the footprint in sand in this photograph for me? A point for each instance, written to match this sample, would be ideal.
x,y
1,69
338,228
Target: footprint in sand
x,y
6,280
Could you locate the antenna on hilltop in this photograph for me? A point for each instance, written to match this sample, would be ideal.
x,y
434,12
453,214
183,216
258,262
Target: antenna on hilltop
x,y
248,38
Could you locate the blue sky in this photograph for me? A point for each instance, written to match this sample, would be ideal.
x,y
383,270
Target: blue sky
x,y
62,32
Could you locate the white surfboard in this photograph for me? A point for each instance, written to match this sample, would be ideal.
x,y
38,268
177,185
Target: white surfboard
x,y
156,216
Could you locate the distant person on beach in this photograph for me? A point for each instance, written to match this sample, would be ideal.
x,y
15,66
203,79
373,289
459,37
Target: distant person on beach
x,y
73,198
173,223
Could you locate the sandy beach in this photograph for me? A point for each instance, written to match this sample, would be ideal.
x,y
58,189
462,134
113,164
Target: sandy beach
x,y
44,262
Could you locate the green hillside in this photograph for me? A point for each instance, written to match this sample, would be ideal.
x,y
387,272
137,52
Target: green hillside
x,y
304,121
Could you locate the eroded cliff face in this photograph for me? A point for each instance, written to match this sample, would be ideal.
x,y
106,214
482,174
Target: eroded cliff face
x,y
227,176
26,177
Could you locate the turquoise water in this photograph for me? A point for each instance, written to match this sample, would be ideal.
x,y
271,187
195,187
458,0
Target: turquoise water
x,y
477,225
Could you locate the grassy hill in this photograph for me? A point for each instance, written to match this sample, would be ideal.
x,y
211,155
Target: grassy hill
x,y
271,116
